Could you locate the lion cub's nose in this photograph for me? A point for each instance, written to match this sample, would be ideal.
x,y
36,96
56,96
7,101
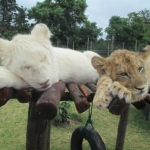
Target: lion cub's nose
x,y
45,84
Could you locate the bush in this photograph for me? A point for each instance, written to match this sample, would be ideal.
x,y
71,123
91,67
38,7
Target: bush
x,y
62,114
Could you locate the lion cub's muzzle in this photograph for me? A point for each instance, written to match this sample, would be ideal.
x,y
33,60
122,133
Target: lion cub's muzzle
x,y
142,90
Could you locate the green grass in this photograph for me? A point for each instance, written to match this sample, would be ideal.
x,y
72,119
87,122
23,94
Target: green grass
x,y
13,121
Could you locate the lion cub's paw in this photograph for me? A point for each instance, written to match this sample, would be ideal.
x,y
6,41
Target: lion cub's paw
x,y
116,89
103,97
102,100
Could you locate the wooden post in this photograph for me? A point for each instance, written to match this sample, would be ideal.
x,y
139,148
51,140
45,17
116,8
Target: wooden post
x,y
48,102
112,43
123,45
5,95
38,130
135,49
122,129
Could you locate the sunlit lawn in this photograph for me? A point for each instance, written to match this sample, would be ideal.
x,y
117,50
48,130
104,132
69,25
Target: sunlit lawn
x,y
13,120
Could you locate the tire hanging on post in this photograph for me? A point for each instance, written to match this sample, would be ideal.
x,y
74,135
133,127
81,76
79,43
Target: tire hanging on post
x,y
88,133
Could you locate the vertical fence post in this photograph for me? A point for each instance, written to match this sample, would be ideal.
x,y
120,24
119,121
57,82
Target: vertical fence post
x,y
112,43
122,129
38,130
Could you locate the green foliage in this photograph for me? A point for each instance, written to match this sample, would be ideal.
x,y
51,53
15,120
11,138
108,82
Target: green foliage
x,y
13,19
9,34
62,114
71,27
131,29
14,124
67,21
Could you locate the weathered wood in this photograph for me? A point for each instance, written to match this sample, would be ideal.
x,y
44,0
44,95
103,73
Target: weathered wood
x,y
84,90
24,95
48,102
5,95
88,93
147,99
139,105
92,86
43,107
66,97
38,130
77,96
117,106
122,129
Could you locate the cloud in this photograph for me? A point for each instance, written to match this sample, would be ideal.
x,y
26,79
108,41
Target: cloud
x,y
27,3
101,11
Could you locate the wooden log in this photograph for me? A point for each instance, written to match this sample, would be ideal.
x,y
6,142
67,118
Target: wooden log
x,y
139,105
38,130
147,99
117,106
66,97
91,86
24,95
88,93
48,102
122,129
5,95
79,99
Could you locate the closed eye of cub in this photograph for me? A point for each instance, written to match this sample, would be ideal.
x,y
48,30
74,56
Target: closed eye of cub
x,y
27,67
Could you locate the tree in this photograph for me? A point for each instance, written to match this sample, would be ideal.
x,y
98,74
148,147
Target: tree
x,y
129,30
146,15
7,10
64,18
89,33
137,28
21,21
117,27
10,17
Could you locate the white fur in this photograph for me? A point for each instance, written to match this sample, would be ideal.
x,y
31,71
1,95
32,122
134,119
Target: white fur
x,y
9,79
31,60
90,54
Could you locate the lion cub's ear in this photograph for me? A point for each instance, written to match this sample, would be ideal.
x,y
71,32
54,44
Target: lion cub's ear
x,y
145,53
41,30
100,64
5,47
147,48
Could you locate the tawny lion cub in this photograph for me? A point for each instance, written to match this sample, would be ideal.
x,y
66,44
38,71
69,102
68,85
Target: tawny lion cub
x,y
125,74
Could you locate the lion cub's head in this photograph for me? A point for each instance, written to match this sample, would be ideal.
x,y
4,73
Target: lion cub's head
x,y
128,68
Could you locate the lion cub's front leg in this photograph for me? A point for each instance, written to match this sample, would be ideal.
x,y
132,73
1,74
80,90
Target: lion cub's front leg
x,y
9,79
107,90
103,97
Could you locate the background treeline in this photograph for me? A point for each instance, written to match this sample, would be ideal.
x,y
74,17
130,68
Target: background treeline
x,y
71,27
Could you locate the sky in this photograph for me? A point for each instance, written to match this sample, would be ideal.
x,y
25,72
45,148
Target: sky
x,y
100,11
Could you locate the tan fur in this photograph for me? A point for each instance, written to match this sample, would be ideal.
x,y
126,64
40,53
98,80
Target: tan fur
x,y
126,74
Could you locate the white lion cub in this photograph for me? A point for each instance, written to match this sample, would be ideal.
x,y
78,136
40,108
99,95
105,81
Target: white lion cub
x,y
31,61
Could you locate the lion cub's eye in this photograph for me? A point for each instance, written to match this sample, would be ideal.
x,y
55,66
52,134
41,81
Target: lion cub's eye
x,y
140,69
123,74
27,67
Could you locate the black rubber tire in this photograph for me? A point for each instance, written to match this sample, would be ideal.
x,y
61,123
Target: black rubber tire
x,y
90,135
